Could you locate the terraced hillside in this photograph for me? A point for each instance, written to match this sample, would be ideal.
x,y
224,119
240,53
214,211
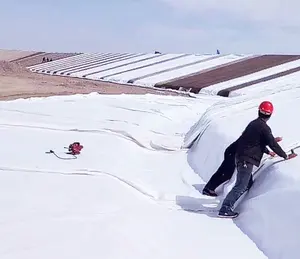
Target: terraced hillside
x,y
227,72
30,58
221,75
37,58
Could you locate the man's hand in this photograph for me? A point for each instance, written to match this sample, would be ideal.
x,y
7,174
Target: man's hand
x,y
272,154
292,155
278,139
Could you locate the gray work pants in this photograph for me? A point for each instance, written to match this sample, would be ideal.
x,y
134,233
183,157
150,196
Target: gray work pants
x,y
243,182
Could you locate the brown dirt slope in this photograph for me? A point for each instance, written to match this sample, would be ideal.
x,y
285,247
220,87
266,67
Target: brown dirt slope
x,y
228,72
17,82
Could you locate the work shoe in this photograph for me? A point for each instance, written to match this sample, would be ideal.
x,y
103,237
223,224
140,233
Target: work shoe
x,y
227,213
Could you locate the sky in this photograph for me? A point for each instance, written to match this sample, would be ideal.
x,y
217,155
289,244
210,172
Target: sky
x,y
168,26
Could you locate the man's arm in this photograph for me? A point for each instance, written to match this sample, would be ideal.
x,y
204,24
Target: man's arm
x,y
271,142
271,153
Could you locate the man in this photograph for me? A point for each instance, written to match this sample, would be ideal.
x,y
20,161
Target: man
x,y
249,151
226,170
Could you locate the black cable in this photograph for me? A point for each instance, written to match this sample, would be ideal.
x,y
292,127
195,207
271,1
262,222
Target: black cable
x,y
63,158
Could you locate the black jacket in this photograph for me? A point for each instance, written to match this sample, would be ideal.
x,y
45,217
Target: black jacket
x,y
231,150
252,143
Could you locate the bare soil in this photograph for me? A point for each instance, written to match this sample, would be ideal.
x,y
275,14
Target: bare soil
x,y
17,82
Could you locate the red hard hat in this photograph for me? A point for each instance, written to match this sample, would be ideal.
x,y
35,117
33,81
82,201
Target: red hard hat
x,y
266,108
